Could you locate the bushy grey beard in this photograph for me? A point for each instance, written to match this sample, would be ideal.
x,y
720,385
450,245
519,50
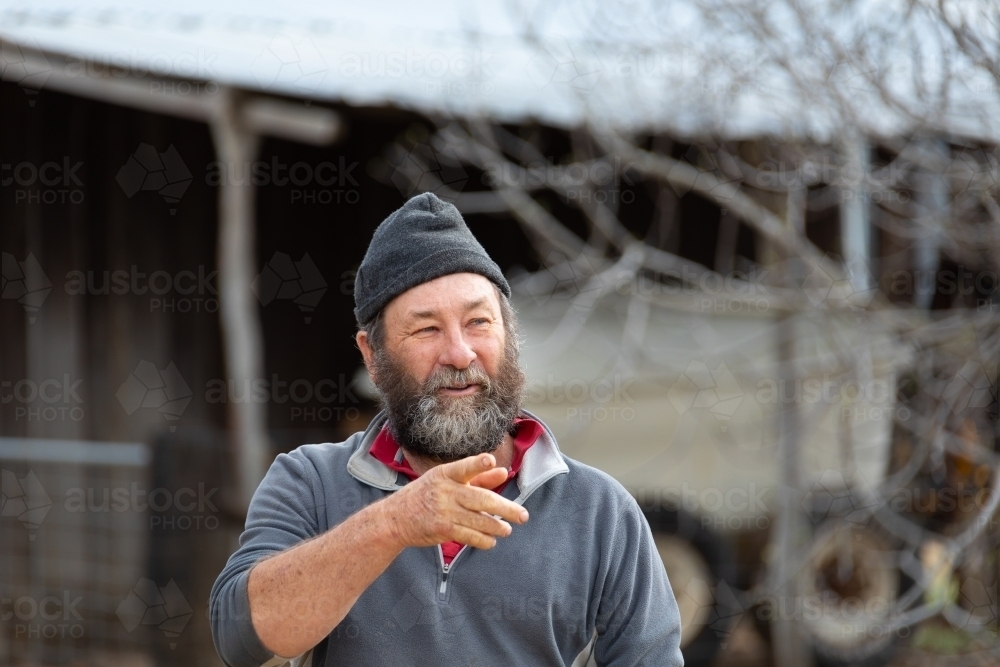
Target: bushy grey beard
x,y
445,428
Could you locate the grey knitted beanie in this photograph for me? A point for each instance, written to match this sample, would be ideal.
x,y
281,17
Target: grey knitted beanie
x,y
425,239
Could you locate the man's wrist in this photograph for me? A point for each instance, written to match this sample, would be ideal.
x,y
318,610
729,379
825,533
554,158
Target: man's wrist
x,y
385,525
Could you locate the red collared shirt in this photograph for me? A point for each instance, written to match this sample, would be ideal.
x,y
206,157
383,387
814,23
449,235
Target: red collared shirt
x,y
386,450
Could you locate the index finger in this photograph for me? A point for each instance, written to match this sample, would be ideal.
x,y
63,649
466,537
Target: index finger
x,y
463,470
480,500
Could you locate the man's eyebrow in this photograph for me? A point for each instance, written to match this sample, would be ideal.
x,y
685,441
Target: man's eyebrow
x,y
476,303
468,305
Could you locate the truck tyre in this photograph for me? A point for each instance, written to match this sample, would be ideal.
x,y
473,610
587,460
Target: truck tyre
x,y
853,583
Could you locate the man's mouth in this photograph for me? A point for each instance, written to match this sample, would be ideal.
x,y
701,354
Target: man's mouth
x,y
459,389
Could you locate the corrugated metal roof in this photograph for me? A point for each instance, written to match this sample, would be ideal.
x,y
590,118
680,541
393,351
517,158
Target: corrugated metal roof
x,y
644,64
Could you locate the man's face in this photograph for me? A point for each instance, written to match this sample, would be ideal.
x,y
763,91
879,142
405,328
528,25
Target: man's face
x,y
448,371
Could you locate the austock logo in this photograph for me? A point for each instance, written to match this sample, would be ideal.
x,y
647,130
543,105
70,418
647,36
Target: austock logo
x,y
184,291
703,388
163,607
718,173
972,387
59,399
48,617
720,607
832,496
857,288
565,278
559,62
601,181
147,387
24,499
283,279
39,182
325,182
977,605
24,281
147,169
185,508
426,169
290,60
336,397
29,75
593,399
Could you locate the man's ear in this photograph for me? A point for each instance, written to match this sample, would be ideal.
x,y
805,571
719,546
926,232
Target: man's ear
x,y
366,352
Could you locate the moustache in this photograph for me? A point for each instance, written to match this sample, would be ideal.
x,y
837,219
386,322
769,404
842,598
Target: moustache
x,y
453,378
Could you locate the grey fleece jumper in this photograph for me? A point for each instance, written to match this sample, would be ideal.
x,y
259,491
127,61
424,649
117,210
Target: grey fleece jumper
x,y
584,563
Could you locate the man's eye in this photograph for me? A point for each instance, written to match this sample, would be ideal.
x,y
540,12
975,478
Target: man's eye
x,y
480,321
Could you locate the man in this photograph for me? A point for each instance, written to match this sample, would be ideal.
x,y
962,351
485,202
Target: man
x,y
411,543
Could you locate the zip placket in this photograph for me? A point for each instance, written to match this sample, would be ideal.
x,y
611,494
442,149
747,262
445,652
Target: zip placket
x,y
446,570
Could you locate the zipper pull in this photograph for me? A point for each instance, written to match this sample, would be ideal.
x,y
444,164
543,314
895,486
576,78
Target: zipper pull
x,y
444,580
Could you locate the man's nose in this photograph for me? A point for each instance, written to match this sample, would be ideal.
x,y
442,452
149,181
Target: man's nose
x,y
457,353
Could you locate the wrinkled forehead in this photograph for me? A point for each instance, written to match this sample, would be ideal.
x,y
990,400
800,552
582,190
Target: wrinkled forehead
x,y
453,295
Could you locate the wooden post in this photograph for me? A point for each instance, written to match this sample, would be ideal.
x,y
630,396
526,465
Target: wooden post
x,y
242,333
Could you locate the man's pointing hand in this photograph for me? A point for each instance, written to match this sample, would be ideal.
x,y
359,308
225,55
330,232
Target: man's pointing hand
x,y
452,502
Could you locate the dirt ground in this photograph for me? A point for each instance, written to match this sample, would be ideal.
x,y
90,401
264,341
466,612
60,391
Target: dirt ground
x,y
746,648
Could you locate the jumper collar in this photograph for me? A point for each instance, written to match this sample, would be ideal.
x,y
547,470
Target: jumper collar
x,y
541,462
